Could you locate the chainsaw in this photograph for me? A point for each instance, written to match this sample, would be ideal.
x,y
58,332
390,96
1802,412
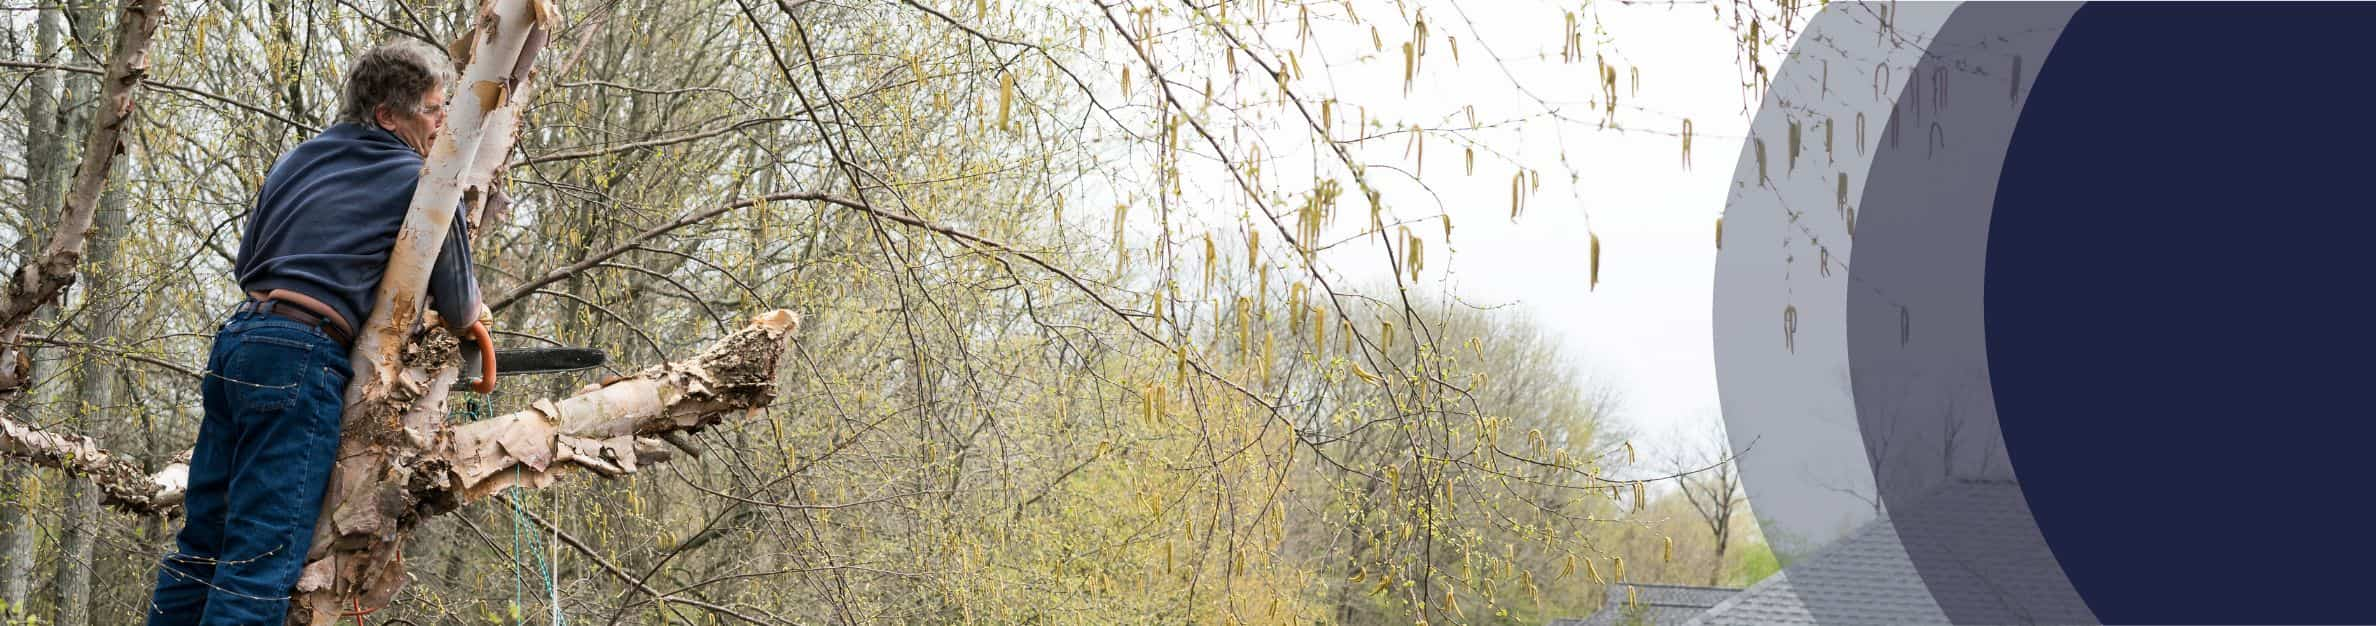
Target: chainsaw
x,y
480,354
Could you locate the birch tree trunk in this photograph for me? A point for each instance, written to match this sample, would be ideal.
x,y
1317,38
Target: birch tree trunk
x,y
395,406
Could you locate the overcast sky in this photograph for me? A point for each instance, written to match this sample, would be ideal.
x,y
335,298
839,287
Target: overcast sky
x,y
1645,331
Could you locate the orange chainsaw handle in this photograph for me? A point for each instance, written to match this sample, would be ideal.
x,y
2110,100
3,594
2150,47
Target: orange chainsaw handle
x,y
486,342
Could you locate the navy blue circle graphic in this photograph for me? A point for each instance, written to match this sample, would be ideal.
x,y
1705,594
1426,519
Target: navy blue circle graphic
x,y
2177,325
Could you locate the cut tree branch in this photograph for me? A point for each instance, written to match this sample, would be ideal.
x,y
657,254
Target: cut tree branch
x,y
610,430
122,483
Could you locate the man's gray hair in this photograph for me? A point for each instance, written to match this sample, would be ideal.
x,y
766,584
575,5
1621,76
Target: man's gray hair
x,y
393,74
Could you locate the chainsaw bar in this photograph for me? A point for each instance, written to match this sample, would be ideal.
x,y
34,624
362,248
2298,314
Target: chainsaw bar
x,y
518,361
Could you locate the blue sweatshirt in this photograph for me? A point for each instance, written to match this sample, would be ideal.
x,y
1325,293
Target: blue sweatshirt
x,y
328,216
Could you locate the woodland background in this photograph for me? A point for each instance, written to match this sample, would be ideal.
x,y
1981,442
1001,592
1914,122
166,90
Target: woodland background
x,y
1095,353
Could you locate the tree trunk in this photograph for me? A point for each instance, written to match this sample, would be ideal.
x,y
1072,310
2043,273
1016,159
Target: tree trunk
x,y
395,406
95,395
42,181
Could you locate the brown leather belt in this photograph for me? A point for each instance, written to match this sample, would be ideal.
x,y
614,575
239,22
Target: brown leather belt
x,y
300,315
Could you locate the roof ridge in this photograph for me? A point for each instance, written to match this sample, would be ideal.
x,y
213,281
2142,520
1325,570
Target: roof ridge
x,y
1679,586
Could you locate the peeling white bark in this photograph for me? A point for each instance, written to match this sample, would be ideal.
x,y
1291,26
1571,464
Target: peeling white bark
x,y
121,481
610,431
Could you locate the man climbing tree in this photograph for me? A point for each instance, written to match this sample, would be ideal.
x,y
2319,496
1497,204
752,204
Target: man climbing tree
x,y
310,259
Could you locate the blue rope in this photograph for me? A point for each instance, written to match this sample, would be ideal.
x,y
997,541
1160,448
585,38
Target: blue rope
x,y
525,538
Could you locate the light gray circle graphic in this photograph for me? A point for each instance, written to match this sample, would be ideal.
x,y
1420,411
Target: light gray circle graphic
x,y
1855,386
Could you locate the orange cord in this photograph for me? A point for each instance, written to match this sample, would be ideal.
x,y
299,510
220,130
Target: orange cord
x,y
358,612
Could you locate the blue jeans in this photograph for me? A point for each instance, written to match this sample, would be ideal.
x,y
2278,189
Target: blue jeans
x,y
274,389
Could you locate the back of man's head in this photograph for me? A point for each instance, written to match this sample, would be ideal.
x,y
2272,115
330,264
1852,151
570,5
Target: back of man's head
x,y
392,74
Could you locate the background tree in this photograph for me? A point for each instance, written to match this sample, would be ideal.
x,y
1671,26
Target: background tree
x,y
1712,485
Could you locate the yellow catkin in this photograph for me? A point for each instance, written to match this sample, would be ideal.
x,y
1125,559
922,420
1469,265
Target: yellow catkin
x,y
1419,163
1841,193
1792,150
1761,160
1006,100
1860,133
1303,25
1686,143
1267,356
1295,307
1210,255
1417,256
1595,273
1261,291
1245,324
1516,181
1319,331
1253,248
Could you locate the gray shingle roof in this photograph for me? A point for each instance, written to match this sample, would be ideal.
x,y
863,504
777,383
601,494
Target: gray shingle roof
x,y
1982,557
1653,604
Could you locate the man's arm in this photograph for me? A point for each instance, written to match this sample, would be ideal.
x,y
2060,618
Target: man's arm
x,y
453,285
